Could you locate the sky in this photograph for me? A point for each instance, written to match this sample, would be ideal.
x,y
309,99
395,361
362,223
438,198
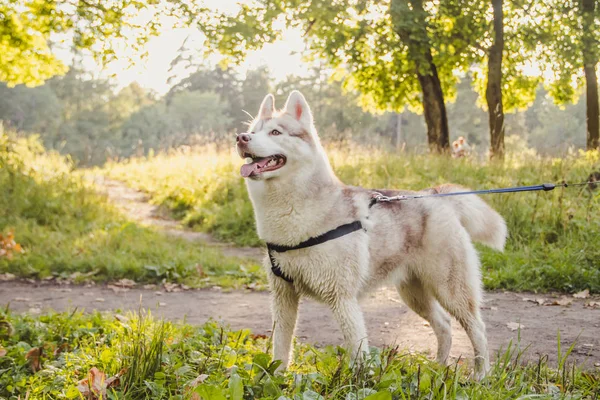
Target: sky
x,y
152,71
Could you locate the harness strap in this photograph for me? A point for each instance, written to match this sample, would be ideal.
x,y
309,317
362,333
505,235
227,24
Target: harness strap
x,y
338,232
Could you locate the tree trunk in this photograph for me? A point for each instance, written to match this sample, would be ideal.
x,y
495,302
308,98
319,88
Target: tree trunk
x,y
399,132
434,109
590,61
493,92
414,35
592,108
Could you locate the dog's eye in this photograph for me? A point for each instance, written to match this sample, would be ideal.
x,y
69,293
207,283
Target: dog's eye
x,y
275,132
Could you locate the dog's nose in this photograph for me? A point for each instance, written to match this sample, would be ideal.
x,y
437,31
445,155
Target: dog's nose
x,y
243,137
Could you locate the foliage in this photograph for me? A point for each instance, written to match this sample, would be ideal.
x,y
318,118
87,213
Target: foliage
x,y
163,360
358,40
552,235
68,231
28,27
563,43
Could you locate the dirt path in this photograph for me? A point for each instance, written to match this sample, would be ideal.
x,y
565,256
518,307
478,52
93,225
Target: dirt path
x,y
388,320
134,204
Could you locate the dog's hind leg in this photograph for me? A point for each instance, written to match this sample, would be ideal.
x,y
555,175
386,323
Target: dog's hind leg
x,y
425,305
284,308
461,298
350,318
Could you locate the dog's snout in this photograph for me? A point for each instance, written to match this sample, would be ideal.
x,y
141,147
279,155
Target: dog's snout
x,y
243,137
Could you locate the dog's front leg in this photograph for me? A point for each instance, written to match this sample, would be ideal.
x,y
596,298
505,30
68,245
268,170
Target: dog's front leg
x,y
284,308
350,317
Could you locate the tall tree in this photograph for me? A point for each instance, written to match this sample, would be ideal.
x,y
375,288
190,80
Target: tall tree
x,y
590,41
386,51
569,37
409,20
492,38
493,91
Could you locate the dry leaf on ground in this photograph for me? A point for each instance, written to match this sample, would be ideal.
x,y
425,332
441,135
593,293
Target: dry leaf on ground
x,y
513,326
95,385
584,294
7,277
540,301
33,356
593,304
563,301
125,283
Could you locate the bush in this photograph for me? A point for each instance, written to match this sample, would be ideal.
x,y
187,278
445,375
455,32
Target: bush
x,y
67,230
56,355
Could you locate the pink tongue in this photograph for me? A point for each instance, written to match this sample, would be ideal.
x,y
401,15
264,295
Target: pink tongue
x,y
253,168
248,169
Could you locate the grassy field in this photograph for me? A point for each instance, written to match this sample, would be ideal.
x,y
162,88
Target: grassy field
x,y
76,356
554,236
68,231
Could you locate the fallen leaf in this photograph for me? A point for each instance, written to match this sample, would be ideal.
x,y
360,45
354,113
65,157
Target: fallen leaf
x,y
540,301
7,277
117,289
162,304
121,318
60,349
584,294
33,356
171,287
21,299
125,283
563,301
259,336
199,379
99,299
95,385
513,326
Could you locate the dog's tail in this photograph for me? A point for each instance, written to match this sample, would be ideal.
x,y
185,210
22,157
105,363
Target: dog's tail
x,y
480,220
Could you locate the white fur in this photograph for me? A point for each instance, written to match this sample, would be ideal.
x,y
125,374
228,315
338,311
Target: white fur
x,y
423,247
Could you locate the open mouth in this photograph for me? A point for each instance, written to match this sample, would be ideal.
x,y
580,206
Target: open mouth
x,y
258,165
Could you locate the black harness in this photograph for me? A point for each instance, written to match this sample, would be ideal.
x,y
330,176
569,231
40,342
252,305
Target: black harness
x,y
338,232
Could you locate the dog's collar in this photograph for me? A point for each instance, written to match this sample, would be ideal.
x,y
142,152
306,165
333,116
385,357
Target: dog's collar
x,y
338,232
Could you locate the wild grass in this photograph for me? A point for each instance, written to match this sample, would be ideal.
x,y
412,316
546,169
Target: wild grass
x,y
554,236
163,360
69,231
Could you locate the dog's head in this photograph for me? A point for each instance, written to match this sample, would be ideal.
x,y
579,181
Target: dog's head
x,y
278,143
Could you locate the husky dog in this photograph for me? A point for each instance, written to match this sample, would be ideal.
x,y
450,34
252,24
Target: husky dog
x,y
423,247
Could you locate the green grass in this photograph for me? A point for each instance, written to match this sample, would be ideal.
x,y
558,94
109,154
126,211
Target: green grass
x,y
164,360
554,236
68,231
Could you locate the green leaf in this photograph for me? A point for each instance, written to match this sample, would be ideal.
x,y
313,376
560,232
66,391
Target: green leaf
x,y
384,395
236,387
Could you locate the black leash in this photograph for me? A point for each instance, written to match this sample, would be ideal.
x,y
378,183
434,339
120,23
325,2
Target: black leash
x,y
379,198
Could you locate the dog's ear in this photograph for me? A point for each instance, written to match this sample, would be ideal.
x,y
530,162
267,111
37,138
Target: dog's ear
x,y
267,107
297,107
